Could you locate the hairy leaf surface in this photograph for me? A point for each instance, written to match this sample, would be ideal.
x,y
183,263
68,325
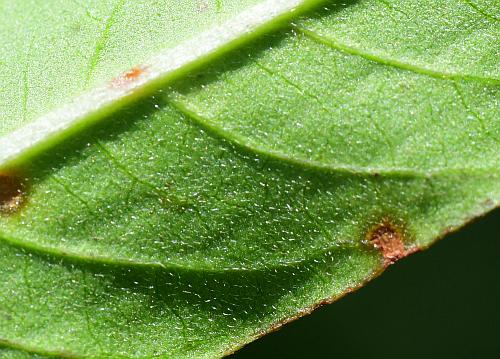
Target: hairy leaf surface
x,y
242,194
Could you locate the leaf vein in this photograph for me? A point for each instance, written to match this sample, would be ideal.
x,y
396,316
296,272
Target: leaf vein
x,y
481,11
395,63
243,144
103,40
83,259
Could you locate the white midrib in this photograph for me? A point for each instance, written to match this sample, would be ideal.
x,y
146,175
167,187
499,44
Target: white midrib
x,y
96,104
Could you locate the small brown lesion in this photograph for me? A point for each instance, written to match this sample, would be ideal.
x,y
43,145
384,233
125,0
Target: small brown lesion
x,y
128,76
388,238
12,192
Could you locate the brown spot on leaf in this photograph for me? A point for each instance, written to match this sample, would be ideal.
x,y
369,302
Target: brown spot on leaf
x,y
12,193
128,77
389,239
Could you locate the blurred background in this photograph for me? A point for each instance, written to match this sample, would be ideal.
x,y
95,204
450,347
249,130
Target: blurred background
x,y
440,303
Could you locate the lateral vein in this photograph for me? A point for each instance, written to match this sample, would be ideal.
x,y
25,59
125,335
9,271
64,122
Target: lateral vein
x,y
354,51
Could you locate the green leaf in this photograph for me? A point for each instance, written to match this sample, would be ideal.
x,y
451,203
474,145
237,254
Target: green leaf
x,y
179,37
245,192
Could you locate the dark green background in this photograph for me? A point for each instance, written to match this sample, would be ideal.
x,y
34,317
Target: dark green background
x,y
440,303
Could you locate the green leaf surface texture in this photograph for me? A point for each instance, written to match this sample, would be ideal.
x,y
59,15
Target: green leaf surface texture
x,y
246,191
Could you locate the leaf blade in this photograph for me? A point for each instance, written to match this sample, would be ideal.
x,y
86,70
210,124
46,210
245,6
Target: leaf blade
x,y
196,230
171,62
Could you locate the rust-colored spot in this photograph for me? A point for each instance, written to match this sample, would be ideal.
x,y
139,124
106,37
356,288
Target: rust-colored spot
x,y
388,238
128,77
133,73
12,192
